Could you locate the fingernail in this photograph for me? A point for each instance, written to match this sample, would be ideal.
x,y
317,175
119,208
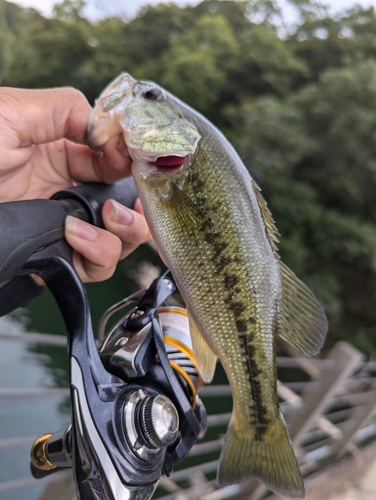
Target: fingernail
x,y
121,214
80,228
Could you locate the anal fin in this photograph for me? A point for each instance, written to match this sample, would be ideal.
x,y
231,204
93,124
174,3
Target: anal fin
x,y
205,357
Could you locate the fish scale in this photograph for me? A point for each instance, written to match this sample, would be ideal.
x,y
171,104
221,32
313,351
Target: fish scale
x,y
213,229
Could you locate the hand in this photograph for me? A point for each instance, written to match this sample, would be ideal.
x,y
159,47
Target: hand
x,y
43,150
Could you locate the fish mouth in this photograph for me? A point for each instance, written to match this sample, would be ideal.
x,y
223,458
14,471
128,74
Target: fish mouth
x,y
169,163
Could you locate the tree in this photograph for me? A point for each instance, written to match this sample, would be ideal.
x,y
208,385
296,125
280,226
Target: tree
x,y
314,155
298,101
49,51
196,65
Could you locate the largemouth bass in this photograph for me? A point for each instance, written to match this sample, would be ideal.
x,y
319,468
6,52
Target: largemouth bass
x,y
214,231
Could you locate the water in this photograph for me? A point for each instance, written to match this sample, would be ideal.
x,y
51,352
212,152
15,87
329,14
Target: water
x,y
26,416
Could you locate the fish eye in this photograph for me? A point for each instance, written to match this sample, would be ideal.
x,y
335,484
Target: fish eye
x,y
152,94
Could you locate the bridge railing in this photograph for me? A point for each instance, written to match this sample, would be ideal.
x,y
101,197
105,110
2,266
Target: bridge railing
x,y
329,405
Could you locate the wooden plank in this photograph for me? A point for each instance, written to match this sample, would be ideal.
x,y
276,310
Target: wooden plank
x,y
30,481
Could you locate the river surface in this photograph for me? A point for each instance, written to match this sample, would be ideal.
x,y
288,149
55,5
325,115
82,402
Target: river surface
x,y
26,417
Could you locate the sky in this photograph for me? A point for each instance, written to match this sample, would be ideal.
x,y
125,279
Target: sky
x,y
97,9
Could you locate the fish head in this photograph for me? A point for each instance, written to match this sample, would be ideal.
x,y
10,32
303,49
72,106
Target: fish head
x,y
151,120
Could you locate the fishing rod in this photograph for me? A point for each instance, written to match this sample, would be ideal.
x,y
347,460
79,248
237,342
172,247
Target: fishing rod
x,y
135,405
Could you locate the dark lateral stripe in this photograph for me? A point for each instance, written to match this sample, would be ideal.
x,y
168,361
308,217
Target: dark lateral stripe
x,y
258,410
223,260
230,281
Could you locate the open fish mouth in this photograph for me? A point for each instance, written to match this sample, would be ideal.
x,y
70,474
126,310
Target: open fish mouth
x,y
162,161
169,163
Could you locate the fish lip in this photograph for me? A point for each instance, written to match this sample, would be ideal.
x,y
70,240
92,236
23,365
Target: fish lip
x,y
96,135
95,146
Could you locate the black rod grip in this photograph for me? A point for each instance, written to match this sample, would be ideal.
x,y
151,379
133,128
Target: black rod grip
x,y
27,226
93,196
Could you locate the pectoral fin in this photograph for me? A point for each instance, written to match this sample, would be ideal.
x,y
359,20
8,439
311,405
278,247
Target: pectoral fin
x,y
187,214
205,358
304,323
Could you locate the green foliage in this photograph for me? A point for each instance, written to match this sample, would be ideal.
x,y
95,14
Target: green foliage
x,y
314,153
3,39
196,65
11,17
108,58
69,10
48,52
299,103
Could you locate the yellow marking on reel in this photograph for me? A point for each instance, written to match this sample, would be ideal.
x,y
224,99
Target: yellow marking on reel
x,y
187,378
188,352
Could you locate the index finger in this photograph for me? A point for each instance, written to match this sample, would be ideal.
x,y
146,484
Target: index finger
x,y
36,117
86,165
43,116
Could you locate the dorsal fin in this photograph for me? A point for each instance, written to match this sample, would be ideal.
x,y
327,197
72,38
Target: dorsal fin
x,y
303,322
270,227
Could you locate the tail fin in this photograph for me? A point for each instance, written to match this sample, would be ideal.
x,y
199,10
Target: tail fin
x,y
267,456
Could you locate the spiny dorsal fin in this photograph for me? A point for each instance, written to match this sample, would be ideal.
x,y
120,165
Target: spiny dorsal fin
x,y
304,323
270,227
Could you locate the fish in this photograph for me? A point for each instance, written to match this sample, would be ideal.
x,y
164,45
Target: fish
x,y
215,232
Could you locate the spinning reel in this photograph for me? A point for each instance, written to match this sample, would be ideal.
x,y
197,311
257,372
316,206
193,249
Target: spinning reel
x,y
134,422
135,405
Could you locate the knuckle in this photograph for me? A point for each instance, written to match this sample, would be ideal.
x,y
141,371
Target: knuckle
x,y
73,94
96,274
114,250
145,235
141,233
106,273
109,254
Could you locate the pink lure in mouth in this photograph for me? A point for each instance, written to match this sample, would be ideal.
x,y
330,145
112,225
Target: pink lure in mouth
x,y
170,161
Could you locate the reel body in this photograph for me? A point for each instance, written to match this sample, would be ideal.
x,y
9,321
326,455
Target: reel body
x,y
135,404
